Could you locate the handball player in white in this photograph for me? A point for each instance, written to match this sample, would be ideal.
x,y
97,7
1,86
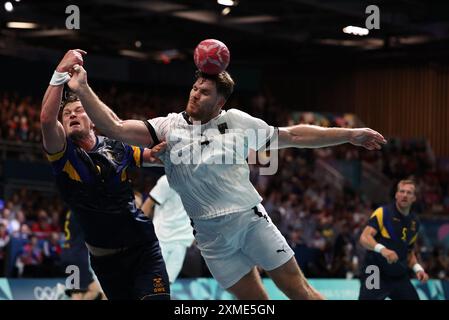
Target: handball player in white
x,y
171,224
233,230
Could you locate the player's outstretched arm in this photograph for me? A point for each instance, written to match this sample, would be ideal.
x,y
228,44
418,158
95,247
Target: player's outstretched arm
x,y
52,131
310,136
133,132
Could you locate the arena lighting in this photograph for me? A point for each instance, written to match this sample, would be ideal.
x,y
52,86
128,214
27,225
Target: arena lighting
x,y
133,54
138,44
21,25
228,3
356,30
8,6
226,11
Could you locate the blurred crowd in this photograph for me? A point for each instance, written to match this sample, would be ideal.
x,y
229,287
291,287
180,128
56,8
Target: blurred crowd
x,y
31,226
321,223
19,118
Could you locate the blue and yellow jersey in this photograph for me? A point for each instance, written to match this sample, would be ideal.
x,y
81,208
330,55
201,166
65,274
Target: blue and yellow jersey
x,y
73,233
95,186
396,232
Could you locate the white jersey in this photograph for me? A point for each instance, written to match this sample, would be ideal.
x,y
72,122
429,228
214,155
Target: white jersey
x,y
206,164
170,220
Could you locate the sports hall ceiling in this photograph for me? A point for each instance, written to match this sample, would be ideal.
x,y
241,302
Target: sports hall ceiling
x,y
257,31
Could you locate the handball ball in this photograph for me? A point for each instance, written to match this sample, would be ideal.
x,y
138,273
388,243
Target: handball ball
x,y
211,56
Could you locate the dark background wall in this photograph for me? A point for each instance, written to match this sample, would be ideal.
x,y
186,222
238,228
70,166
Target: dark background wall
x,y
405,100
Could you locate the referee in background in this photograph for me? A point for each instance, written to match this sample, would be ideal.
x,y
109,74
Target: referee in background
x,y
389,238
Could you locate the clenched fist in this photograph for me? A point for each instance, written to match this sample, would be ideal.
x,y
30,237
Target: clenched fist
x,y
390,255
422,276
71,58
78,79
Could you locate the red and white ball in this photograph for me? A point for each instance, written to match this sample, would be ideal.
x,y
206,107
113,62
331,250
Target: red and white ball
x,y
211,56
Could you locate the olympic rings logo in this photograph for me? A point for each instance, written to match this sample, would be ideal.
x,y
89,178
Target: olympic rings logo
x,y
45,293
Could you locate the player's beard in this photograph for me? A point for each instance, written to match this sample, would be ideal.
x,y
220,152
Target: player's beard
x,y
203,113
78,135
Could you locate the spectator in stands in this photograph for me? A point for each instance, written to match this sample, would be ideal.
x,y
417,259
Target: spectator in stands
x,y
4,240
11,223
24,232
42,227
439,265
30,258
14,225
52,254
55,220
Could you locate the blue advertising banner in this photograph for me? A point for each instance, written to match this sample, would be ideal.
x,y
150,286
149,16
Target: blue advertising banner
x,y
332,289
36,289
208,289
5,291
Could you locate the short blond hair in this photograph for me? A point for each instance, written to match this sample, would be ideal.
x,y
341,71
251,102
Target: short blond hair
x,y
406,181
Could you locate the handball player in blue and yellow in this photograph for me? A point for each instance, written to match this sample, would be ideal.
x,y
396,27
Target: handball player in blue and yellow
x,y
91,175
390,237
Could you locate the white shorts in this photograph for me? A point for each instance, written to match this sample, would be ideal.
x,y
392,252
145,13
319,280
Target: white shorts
x,y
174,254
233,244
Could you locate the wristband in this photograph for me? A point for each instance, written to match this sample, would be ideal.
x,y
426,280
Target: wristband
x,y
378,248
417,268
59,78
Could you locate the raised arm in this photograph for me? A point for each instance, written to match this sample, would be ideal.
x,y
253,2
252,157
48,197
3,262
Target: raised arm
x,y
53,135
133,132
309,136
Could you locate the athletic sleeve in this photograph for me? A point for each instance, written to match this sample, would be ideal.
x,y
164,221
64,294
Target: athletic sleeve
x,y
376,219
59,159
257,131
161,191
158,128
135,155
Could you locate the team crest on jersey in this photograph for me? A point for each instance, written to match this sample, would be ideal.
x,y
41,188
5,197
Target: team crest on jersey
x,y
158,285
222,127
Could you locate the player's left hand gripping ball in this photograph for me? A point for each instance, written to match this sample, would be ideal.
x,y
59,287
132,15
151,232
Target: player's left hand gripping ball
x,y
211,56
